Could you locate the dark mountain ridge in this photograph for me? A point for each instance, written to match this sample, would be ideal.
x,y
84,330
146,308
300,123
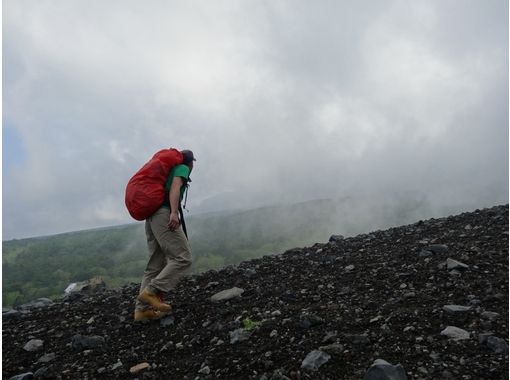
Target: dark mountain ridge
x,y
431,296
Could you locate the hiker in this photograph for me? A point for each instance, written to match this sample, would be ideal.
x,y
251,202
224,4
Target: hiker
x,y
169,250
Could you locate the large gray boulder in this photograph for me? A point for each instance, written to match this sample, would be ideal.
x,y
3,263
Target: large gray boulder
x,y
94,285
382,370
454,264
239,335
33,345
456,309
227,294
455,333
23,376
314,360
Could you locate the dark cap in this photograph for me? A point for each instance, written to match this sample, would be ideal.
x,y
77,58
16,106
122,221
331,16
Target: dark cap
x,y
188,156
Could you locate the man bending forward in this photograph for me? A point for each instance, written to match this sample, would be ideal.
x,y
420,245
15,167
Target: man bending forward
x,y
169,250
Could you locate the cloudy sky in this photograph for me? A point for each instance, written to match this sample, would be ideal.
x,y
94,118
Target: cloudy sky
x,y
281,101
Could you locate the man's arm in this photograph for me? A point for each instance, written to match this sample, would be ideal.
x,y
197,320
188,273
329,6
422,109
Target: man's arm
x,y
175,195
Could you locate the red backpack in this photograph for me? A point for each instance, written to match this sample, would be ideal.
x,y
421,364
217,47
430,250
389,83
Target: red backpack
x,y
145,191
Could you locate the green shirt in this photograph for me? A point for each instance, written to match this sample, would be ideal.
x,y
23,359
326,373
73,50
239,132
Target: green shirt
x,y
177,171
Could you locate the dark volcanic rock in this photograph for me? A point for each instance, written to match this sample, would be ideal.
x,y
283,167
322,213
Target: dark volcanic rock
x,y
11,314
336,238
437,248
392,302
87,342
310,320
498,345
36,304
167,321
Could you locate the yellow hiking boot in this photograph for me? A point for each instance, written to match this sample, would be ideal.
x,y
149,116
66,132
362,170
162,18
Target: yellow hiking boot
x,y
151,298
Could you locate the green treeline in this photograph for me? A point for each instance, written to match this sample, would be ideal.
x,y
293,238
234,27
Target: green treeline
x,y
43,267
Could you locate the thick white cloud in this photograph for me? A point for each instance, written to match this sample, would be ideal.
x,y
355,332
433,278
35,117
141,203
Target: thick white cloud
x,y
280,100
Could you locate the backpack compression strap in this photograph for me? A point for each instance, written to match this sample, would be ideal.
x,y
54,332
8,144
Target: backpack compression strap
x,y
183,222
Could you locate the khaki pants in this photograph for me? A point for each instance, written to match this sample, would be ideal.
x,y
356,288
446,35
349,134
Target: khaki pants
x,y
169,255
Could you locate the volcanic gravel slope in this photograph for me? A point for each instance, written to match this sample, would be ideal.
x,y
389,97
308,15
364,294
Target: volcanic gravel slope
x,y
377,295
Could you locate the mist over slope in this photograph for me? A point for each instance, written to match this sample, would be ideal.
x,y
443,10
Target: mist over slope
x,y
44,267
431,296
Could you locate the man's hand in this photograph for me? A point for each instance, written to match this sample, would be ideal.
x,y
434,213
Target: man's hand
x,y
174,221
